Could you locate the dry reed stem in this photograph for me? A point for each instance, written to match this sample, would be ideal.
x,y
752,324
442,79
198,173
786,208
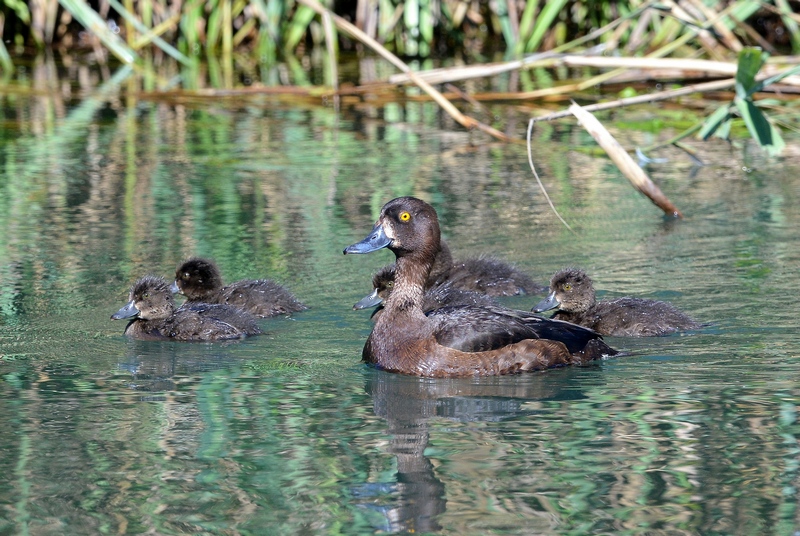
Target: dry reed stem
x,y
721,68
464,120
624,161
652,97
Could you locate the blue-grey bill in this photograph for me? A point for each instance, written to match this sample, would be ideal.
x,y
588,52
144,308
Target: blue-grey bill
x,y
376,240
550,302
366,302
128,311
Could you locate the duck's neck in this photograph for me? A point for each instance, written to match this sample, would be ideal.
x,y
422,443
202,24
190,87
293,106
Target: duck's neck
x,y
442,264
409,284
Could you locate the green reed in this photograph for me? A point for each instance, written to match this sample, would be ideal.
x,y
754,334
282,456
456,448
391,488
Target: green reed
x,y
420,28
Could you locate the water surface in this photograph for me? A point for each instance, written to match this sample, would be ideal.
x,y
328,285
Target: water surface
x,y
288,433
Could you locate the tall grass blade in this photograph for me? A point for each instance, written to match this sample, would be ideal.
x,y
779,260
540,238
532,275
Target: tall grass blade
x,y
96,25
298,27
214,27
789,23
546,17
525,24
5,59
141,28
411,20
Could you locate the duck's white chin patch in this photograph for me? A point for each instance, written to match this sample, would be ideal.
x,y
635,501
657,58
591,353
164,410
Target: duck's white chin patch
x,y
388,230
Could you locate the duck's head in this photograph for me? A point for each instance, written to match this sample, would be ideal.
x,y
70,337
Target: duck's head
x,y
150,299
197,278
382,284
408,226
571,291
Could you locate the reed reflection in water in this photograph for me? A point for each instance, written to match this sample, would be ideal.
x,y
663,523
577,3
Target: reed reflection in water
x,y
288,432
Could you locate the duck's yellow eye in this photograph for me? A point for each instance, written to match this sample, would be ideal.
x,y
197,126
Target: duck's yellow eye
x,y
405,216
568,286
146,295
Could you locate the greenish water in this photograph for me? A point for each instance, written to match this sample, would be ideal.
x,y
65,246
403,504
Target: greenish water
x,y
288,433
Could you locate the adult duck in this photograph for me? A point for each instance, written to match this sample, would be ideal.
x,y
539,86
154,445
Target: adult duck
x,y
201,282
572,294
458,340
153,316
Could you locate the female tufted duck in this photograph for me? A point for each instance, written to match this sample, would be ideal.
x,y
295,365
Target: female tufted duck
x,y
459,340
572,293
435,297
200,281
152,310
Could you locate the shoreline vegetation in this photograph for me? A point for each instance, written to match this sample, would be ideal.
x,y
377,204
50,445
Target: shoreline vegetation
x,y
741,54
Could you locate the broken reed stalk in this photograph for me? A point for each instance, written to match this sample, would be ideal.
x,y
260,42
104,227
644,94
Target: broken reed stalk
x,y
464,120
651,97
624,161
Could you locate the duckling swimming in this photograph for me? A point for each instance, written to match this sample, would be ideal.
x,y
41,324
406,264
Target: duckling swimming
x,y
572,293
435,297
153,316
473,281
465,340
200,281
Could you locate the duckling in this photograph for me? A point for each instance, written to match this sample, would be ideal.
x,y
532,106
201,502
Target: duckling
x,y
466,340
153,316
437,296
572,294
485,274
200,281
459,283
491,276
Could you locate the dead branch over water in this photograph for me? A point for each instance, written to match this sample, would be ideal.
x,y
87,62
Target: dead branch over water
x,y
624,161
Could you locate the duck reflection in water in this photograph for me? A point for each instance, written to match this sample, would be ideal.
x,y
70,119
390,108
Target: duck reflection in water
x,y
417,498
465,340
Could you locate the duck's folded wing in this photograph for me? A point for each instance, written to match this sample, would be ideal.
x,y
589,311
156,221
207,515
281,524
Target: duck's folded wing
x,y
479,329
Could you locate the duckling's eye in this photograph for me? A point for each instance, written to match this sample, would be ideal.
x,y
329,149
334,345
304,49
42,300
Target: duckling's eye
x,y
390,284
405,216
568,286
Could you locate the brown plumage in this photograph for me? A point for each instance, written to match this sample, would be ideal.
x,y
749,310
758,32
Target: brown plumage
x,y
435,297
200,281
459,340
572,294
154,317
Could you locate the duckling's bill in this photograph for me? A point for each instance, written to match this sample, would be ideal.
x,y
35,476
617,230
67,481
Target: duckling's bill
x,y
366,302
129,310
550,302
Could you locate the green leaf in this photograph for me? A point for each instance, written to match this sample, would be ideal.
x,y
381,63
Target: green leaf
x,y
714,121
765,134
751,59
724,130
776,78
